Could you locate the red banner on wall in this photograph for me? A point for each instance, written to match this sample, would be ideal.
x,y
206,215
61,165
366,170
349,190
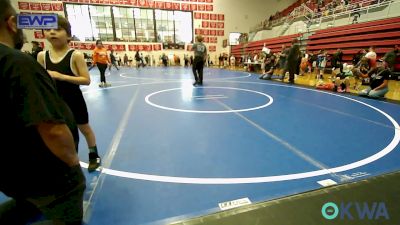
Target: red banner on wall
x,y
213,24
157,47
34,6
205,32
205,16
176,6
23,5
142,3
213,16
209,7
57,6
213,32
193,7
46,6
168,5
185,6
38,34
132,48
213,39
160,5
201,8
204,24
212,48
221,17
197,15
150,3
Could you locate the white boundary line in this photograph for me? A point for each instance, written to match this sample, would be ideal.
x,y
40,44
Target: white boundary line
x,y
147,99
248,180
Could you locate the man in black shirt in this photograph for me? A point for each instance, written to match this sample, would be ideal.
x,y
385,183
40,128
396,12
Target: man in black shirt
x,y
337,60
379,77
35,49
39,138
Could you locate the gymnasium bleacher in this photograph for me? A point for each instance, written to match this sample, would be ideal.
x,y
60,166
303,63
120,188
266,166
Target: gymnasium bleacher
x,y
275,44
383,34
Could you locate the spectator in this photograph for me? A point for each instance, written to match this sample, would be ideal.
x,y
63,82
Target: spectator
x,y
379,77
126,60
337,60
342,82
293,60
36,48
361,71
113,61
101,60
393,59
357,57
371,55
321,64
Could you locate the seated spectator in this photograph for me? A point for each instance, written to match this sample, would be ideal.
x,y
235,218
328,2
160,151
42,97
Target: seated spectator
x,y
270,64
337,60
379,82
357,57
342,82
360,71
371,55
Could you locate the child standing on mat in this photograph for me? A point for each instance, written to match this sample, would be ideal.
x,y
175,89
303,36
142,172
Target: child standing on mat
x,y
68,68
101,60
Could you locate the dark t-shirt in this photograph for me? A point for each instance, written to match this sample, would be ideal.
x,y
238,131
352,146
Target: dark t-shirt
x,y
378,76
200,50
36,51
29,97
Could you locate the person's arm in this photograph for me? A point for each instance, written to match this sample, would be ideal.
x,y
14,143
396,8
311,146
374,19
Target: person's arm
x,y
59,140
369,73
205,53
79,63
108,59
94,57
39,106
40,58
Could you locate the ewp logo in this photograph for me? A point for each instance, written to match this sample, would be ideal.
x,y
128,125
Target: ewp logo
x,y
364,211
37,21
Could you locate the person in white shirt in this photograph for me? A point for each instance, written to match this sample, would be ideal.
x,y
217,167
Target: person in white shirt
x,y
233,60
266,50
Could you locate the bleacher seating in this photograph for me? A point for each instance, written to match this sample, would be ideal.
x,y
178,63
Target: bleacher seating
x,y
383,34
275,44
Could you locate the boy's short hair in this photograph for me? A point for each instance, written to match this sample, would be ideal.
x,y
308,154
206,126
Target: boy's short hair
x,y
199,38
64,24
